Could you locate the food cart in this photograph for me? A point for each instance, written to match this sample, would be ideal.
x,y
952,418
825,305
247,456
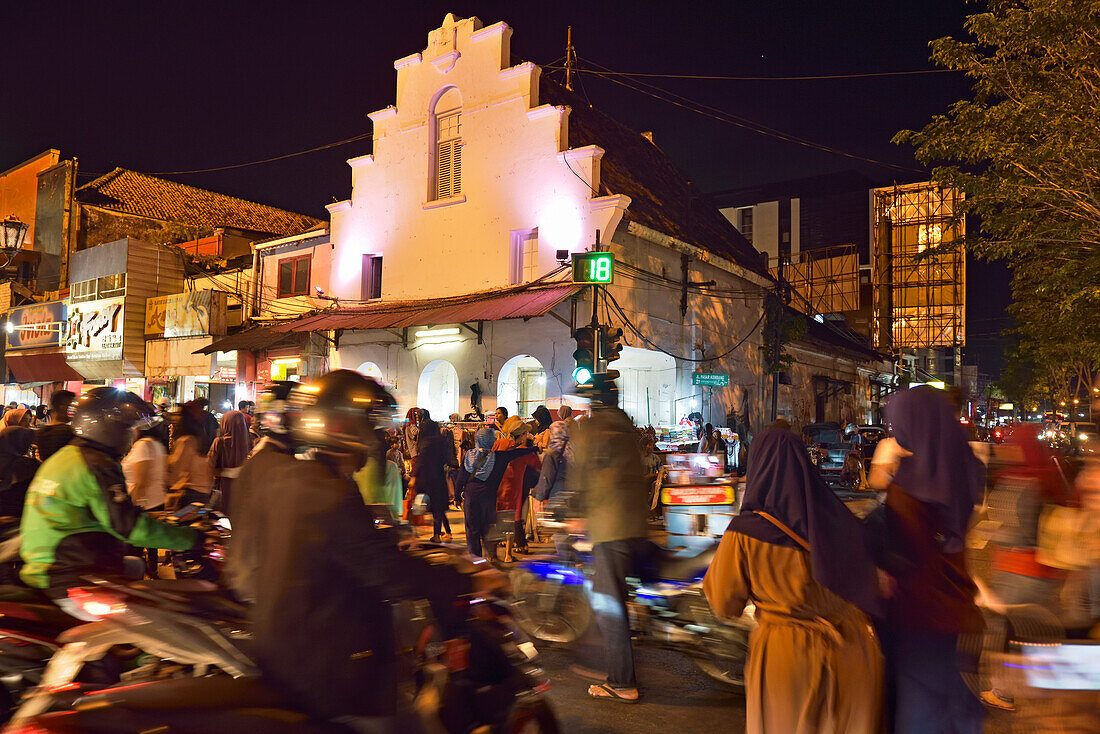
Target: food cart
x,y
698,499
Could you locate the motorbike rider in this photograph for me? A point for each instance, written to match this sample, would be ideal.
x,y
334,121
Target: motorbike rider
x,y
262,472
78,516
322,625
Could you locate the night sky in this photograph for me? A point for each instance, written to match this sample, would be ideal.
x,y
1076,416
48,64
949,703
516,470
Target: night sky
x,y
162,87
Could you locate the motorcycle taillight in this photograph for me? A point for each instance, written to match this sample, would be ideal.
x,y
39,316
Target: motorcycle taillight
x,y
97,603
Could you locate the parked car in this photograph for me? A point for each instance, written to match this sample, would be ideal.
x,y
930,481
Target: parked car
x,y
829,451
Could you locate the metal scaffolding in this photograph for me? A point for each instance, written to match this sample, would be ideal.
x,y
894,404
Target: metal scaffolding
x,y
826,280
919,279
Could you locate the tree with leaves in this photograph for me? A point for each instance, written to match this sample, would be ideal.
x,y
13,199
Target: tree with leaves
x,y
1025,152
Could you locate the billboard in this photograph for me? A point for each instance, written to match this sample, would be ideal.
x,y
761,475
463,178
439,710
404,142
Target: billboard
x,y
37,325
197,313
95,330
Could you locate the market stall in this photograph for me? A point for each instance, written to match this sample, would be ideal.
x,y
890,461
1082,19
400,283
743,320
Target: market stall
x,y
699,500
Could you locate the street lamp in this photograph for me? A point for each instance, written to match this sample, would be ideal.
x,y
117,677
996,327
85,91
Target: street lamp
x,y
12,234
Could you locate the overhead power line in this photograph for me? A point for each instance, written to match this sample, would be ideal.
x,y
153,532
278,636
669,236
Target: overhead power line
x,y
723,77
262,161
669,97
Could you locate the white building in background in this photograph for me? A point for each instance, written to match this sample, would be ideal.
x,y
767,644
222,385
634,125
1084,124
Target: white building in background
x,y
441,272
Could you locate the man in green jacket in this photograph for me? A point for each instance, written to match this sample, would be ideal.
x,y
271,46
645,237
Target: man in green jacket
x,y
78,517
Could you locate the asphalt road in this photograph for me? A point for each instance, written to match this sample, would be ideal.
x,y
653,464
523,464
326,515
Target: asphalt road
x,y
675,697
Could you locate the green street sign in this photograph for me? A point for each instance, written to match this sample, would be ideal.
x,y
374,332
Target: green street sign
x,y
710,379
593,267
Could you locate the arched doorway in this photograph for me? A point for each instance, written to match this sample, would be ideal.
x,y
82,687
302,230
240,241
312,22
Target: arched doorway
x,y
647,384
437,390
521,386
371,370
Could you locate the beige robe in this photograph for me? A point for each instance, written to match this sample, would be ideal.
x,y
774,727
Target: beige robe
x,y
814,666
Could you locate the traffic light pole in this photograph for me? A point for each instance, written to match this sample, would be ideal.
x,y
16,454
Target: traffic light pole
x,y
595,324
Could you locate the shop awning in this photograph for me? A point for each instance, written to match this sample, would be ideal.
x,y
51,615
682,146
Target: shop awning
x,y
251,340
514,303
41,367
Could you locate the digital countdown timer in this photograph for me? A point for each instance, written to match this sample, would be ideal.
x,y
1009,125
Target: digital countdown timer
x,y
593,267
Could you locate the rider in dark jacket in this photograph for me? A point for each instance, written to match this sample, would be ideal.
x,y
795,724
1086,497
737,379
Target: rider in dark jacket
x,y
323,627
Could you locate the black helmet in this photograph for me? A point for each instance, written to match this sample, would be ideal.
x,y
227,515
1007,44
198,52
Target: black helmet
x,y
107,416
271,408
339,412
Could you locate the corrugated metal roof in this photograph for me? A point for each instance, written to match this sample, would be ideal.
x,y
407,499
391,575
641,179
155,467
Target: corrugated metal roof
x,y
260,337
521,303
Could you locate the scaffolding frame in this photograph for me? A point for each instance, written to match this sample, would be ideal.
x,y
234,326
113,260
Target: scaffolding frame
x,y
827,279
919,299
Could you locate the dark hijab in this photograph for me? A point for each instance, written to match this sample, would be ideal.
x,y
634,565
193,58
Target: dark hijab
x,y
15,442
943,470
16,469
233,446
782,482
542,417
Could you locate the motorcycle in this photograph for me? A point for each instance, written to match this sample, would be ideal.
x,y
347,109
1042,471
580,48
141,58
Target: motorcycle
x,y
483,678
551,603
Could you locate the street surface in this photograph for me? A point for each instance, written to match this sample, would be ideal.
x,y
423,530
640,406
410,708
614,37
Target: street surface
x,y
676,697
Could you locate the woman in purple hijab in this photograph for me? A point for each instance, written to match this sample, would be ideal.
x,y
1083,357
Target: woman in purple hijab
x,y
927,512
797,553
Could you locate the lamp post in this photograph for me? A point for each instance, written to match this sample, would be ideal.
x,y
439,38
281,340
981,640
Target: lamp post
x,y
12,233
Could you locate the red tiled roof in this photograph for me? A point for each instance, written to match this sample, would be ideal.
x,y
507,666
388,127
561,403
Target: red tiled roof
x,y
514,303
148,196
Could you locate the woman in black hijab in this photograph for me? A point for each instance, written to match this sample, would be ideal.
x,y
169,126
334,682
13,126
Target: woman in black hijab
x,y
17,468
433,452
921,545
797,553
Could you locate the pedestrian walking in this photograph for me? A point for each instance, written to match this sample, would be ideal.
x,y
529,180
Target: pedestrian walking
x,y
797,553
229,451
409,434
478,480
920,543
58,431
521,474
609,491
433,453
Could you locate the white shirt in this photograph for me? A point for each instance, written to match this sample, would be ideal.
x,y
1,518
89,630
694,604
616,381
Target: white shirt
x,y
151,493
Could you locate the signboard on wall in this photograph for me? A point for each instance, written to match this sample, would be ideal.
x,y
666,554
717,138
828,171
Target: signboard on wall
x,y
710,379
37,325
95,330
197,313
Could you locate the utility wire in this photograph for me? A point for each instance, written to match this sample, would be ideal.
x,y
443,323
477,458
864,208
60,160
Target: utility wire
x,y
622,315
338,143
721,77
664,95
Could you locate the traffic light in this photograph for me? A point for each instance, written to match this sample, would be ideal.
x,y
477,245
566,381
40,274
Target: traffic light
x,y
611,343
585,355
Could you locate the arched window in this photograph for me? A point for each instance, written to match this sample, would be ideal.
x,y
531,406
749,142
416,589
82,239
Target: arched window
x,y
437,389
521,386
447,144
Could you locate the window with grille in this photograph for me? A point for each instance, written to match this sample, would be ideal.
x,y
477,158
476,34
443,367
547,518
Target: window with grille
x,y
448,154
744,222
294,276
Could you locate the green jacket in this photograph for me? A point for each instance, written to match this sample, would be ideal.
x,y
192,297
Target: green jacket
x,y
78,519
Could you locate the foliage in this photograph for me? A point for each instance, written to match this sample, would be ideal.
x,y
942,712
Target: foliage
x,y
1025,152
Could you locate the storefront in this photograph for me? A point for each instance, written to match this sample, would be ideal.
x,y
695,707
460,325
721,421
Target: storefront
x,y
177,328
35,356
242,363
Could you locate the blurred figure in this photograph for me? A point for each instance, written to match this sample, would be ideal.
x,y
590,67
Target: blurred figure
x,y
556,459
521,474
16,417
379,479
229,451
163,428
190,478
609,491
146,469
921,545
706,440
796,552
736,455
207,423
39,416
478,480
719,450
429,475
410,435
59,431
17,468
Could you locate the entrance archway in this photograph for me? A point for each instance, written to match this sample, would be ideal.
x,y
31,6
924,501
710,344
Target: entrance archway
x,y
371,370
437,390
521,386
647,384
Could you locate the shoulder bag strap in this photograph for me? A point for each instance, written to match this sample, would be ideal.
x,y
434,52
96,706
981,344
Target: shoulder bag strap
x,y
779,524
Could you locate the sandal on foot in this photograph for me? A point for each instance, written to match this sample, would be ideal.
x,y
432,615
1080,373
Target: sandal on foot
x,y
604,690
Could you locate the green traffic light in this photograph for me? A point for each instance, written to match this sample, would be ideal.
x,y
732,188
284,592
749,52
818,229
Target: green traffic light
x,y
582,375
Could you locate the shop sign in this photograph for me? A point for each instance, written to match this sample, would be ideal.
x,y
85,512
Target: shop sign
x,y
197,313
226,374
721,494
95,330
38,325
710,379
